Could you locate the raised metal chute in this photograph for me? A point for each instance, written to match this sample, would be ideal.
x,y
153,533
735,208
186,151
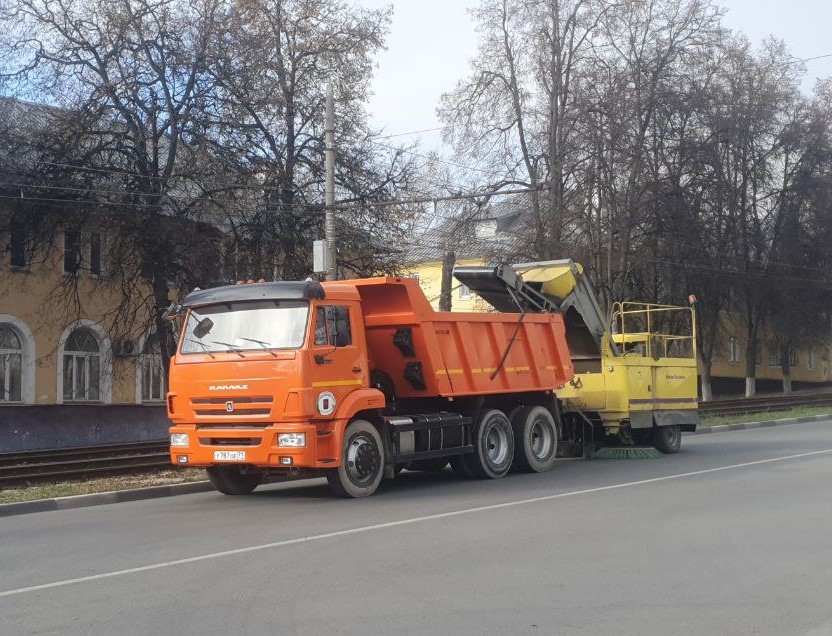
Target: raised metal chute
x,y
503,288
542,287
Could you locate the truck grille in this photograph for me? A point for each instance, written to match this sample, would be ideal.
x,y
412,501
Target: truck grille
x,y
236,411
265,399
229,441
243,405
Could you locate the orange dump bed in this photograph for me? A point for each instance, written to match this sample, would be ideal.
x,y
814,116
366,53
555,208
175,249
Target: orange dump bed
x,y
430,353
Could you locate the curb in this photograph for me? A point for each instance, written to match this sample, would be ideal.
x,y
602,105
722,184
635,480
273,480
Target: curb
x,y
100,498
725,428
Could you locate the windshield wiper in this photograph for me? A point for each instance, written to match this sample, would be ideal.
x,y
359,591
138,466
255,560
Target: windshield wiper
x,y
204,346
262,343
231,347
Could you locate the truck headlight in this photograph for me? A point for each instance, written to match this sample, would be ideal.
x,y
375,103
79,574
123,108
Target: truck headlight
x,y
293,440
178,439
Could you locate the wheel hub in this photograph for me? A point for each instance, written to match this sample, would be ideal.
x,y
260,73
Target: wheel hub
x,y
363,459
541,440
496,445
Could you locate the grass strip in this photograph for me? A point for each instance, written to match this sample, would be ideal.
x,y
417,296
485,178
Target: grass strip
x,y
50,490
763,416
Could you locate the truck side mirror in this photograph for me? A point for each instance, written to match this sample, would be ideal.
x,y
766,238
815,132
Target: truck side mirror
x,y
203,328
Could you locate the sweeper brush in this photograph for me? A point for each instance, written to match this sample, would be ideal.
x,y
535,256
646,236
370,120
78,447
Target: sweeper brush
x,y
626,452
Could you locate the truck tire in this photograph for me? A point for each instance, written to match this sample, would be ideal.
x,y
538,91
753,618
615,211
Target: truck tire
x,y
668,439
229,480
493,446
362,462
535,439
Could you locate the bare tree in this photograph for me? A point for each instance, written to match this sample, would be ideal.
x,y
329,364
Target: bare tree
x,y
273,62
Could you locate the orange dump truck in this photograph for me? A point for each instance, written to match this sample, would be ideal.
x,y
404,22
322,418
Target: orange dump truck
x,y
356,379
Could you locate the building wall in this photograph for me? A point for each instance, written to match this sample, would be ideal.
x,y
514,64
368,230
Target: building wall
x,y
430,279
42,305
768,366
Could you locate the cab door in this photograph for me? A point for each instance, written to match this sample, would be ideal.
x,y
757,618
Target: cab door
x,y
338,362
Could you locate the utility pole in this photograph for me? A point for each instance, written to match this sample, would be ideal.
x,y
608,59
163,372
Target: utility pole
x,y
329,223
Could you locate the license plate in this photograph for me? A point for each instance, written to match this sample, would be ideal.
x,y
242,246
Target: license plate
x,y
230,456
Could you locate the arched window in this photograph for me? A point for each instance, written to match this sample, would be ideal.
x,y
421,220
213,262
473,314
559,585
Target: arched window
x,y
152,370
11,365
82,366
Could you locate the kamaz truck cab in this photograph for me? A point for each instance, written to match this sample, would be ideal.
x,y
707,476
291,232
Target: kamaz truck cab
x,y
260,373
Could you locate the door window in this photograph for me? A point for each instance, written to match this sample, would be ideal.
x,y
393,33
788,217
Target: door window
x,y
332,326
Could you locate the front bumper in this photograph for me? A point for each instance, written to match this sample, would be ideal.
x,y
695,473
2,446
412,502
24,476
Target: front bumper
x,y
259,445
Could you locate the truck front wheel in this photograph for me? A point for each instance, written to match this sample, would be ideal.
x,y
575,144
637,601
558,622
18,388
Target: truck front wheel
x,y
230,480
668,439
362,462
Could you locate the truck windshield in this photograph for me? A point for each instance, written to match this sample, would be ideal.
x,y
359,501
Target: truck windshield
x,y
246,326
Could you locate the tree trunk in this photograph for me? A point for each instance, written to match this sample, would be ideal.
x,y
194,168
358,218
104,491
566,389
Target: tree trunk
x,y
786,368
705,383
445,297
751,360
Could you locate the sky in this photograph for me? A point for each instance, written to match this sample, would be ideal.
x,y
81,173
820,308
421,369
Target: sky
x,y
431,42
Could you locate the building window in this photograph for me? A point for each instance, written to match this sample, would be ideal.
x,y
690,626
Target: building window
x,y
152,371
82,367
95,253
792,357
464,292
72,251
17,247
733,349
758,353
810,358
11,365
774,355
332,326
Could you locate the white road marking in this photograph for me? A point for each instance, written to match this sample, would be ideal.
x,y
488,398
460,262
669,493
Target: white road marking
x,y
401,522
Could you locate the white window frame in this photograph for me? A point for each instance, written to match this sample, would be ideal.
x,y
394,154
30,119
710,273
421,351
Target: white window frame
x,y
464,292
105,353
733,349
5,362
27,365
774,355
142,365
86,359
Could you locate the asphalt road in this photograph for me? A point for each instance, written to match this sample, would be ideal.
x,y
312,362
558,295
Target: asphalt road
x,y
731,536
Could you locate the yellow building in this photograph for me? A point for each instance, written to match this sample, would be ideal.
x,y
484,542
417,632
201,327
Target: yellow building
x,y
63,371
430,279
809,363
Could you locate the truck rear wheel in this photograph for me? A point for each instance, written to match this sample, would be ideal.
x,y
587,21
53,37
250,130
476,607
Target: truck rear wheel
x,y
230,480
668,439
493,447
535,439
362,462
